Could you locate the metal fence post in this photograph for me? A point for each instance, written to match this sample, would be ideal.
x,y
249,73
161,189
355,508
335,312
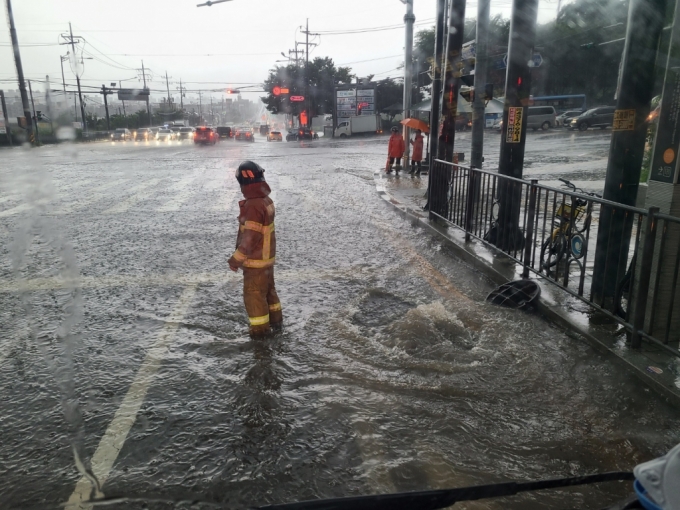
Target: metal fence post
x,y
529,243
642,291
469,203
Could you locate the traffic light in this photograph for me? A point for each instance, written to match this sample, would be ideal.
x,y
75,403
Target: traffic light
x,y
276,91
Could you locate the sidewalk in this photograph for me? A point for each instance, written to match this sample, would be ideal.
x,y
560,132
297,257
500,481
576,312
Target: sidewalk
x,y
407,194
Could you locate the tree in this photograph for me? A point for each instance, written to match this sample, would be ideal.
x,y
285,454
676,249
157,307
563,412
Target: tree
x,y
323,78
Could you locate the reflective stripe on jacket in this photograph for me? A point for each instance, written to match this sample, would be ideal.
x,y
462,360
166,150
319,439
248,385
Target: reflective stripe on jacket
x,y
256,240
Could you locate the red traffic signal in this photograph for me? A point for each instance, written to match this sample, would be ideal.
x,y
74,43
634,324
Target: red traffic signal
x,y
276,91
297,99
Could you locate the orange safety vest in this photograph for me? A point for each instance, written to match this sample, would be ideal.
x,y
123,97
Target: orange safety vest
x,y
256,240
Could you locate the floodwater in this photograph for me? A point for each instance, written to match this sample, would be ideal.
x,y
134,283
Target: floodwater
x,y
124,337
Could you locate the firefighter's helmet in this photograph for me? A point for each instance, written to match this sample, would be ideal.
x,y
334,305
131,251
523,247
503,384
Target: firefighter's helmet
x,y
249,172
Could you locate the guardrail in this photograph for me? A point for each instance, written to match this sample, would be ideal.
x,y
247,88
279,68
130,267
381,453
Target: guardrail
x,y
552,232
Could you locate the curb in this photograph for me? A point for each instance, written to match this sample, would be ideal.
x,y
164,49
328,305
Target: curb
x,y
500,271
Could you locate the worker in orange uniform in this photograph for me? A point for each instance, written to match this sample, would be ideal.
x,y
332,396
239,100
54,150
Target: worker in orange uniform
x,y
417,156
395,149
256,250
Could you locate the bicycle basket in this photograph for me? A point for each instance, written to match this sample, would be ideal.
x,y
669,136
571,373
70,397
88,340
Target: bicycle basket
x,y
564,212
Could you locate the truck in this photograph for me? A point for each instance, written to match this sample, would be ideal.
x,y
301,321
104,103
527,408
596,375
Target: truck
x,y
362,124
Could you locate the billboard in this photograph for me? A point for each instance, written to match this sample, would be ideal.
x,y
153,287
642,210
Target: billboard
x,y
133,94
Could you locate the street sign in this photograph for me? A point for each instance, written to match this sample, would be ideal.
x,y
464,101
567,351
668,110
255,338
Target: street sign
x,y
297,99
133,94
535,61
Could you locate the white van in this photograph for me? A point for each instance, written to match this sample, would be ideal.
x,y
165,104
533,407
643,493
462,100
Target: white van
x,y
541,117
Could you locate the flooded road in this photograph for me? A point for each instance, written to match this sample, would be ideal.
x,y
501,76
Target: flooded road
x,y
124,333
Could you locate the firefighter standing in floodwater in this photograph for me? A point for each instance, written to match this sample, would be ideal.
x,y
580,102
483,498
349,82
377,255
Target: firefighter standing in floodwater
x,y
256,250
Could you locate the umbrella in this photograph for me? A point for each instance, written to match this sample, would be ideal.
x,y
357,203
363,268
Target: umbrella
x,y
416,124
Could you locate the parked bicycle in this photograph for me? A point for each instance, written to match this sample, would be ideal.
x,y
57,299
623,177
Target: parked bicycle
x,y
565,235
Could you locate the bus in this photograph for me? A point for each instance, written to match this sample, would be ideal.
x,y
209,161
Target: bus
x,y
562,103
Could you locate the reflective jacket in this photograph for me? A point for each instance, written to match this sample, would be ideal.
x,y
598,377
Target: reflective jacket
x,y
417,148
396,147
256,240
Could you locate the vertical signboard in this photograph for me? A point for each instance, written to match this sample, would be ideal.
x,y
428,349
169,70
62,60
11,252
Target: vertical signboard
x,y
366,101
347,103
514,132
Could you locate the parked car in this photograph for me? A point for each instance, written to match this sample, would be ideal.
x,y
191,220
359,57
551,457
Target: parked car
x,y
244,133
275,136
142,134
205,135
541,117
166,135
563,119
122,134
602,117
224,131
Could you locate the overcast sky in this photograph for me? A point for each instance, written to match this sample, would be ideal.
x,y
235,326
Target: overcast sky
x,y
243,37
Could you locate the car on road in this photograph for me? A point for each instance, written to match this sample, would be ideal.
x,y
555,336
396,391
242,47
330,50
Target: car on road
x,y
541,117
186,133
121,134
602,117
224,132
291,135
153,132
166,135
304,133
264,129
244,133
205,135
274,136
142,134
564,118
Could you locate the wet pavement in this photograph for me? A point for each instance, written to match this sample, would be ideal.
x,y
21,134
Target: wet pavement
x,y
124,334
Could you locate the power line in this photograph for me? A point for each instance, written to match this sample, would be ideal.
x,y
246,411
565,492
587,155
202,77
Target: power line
x,y
370,60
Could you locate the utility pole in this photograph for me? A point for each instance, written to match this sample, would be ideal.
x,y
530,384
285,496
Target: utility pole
x,y
434,191
48,104
454,45
63,80
120,86
4,113
212,115
71,40
167,84
514,132
20,72
105,93
478,104
200,111
148,107
181,95
409,19
34,118
643,33
307,102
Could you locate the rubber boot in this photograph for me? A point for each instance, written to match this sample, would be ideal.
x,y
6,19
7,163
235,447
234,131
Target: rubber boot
x,y
260,331
389,170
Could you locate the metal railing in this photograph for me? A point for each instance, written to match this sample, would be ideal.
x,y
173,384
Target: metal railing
x,y
552,233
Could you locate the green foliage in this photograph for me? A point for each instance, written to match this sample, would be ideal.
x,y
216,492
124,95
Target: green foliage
x,y
389,92
323,77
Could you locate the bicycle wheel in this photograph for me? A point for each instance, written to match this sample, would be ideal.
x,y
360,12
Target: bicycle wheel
x,y
553,250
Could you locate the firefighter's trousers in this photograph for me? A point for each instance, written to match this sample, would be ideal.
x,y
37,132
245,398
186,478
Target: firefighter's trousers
x,y
262,302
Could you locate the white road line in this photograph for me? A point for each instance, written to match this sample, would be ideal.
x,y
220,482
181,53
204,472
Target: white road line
x,y
15,210
183,194
92,198
137,197
226,200
9,198
116,434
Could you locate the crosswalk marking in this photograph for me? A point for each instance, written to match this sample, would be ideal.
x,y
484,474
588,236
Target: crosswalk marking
x,y
143,192
95,196
15,210
114,438
226,200
183,191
